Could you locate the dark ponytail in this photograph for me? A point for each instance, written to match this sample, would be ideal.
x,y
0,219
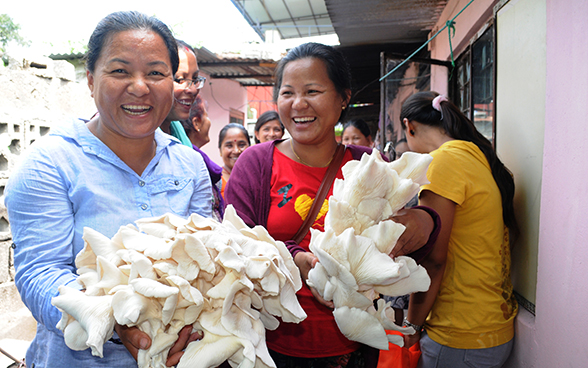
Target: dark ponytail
x,y
419,108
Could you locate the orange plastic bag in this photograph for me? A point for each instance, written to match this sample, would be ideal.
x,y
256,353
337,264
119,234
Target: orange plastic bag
x,y
398,357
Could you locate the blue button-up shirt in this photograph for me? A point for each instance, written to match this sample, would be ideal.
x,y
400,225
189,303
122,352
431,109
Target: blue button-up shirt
x,y
67,181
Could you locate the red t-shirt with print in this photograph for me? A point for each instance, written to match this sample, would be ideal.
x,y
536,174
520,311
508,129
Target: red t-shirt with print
x,y
293,188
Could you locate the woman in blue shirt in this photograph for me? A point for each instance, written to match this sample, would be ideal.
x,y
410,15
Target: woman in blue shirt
x,y
113,170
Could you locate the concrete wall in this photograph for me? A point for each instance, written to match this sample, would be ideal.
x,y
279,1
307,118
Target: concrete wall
x,y
35,95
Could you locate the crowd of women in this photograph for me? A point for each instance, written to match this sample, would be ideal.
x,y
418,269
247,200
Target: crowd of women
x,y
122,166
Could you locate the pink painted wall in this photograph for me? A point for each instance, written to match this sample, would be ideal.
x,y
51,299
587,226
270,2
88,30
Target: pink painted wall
x,y
562,289
221,95
555,336
466,26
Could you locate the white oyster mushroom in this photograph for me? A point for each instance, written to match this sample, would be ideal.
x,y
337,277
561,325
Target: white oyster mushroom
x,y
93,313
153,289
353,251
358,325
213,350
225,279
410,166
132,309
96,244
196,249
75,336
141,266
187,268
109,276
384,234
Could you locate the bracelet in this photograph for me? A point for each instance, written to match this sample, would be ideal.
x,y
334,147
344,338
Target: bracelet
x,y
417,328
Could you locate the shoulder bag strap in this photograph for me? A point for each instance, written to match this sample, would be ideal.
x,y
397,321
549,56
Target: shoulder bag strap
x,y
321,193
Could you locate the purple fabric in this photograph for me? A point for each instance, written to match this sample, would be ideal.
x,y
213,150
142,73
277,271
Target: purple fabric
x,y
251,197
215,171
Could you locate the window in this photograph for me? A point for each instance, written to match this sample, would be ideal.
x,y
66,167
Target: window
x,y
473,83
236,116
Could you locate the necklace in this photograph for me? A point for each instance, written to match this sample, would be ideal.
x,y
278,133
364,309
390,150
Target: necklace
x,y
302,161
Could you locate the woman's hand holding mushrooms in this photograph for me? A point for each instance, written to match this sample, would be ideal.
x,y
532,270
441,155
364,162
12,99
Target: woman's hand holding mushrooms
x,y
419,226
133,339
306,262
185,337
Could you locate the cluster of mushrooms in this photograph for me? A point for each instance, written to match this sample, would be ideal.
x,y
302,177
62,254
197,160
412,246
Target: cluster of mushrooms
x,y
225,279
231,281
355,265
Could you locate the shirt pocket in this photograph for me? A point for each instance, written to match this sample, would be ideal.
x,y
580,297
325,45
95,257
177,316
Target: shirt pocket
x,y
173,194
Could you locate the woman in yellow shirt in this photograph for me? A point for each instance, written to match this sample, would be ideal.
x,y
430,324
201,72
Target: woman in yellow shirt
x,y
469,310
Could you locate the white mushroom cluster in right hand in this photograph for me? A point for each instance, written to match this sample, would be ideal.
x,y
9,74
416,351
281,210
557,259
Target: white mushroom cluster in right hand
x,y
355,266
227,280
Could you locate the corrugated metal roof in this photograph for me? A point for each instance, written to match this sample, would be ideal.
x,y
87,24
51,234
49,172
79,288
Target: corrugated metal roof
x,y
291,18
247,71
356,22
383,21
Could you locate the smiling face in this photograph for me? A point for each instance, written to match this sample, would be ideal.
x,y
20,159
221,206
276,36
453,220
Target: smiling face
x,y
270,131
352,135
132,85
183,97
232,146
308,102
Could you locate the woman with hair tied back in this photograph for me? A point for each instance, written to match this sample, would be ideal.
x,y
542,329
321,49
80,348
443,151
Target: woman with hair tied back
x,y
468,311
268,127
112,171
197,127
357,132
274,184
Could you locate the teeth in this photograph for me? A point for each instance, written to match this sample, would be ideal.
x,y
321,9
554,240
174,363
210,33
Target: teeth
x,y
136,109
185,103
303,120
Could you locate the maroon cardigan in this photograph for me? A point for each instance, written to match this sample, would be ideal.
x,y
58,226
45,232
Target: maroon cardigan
x,y
248,191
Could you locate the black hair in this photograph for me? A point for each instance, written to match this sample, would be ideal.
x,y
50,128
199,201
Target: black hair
x,y
266,117
223,133
419,108
196,111
338,69
361,125
126,21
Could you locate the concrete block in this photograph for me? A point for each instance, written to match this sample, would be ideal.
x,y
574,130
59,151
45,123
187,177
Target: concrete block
x,y
5,262
64,70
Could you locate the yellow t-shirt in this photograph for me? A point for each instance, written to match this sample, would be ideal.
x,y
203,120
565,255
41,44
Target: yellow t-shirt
x,y
475,307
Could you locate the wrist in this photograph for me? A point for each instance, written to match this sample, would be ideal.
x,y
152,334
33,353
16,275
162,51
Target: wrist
x,y
417,328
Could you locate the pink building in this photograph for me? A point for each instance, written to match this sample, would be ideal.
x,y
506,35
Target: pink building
x,y
535,51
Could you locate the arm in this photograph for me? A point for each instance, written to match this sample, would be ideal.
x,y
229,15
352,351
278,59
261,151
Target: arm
x,y
421,303
422,228
248,189
42,224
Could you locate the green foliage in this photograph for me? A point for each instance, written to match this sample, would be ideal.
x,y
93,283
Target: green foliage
x,y
9,32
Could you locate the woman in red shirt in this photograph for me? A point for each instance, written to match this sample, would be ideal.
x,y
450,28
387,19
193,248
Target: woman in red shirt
x,y
275,183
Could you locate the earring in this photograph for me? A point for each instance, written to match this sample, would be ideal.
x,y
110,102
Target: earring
x,y
198,129
411,132
342,107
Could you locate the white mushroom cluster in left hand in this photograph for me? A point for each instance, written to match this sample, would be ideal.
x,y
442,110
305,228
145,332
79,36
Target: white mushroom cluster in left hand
x,y
225,279
355,265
